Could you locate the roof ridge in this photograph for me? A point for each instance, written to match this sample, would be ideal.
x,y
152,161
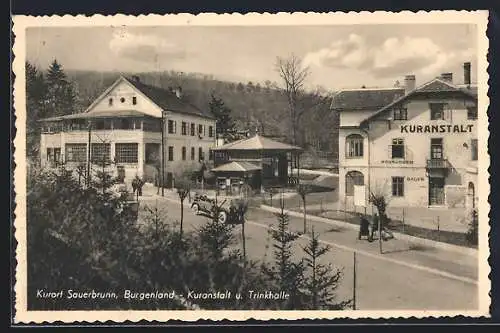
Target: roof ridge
x,y
369,89
416,90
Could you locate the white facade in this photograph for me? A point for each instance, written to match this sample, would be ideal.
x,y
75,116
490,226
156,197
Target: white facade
x,y
126,124
415,159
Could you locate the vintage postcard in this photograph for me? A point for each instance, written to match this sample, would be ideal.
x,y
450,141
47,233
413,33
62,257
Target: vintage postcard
x,y
258,166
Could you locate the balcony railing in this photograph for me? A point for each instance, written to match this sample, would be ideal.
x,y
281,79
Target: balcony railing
x,y
438,163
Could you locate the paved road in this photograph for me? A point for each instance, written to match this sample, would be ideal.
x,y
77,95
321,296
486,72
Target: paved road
x,y
402,278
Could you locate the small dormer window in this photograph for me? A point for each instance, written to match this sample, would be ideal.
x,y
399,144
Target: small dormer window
x,y
110,102
122,99
134,100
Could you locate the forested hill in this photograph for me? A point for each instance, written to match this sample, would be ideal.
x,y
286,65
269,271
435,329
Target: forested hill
x,y
252,105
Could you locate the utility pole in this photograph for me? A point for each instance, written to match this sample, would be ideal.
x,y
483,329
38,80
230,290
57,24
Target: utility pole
x,y
380,233
162,176
88,153
354,283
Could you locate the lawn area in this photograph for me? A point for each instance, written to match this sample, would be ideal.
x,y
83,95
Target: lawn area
x,y
450,237
294,201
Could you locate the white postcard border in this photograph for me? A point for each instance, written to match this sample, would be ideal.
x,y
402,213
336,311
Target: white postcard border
x,y
22,315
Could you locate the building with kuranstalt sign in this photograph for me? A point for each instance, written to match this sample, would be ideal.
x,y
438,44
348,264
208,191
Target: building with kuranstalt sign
x,y
418,145
129,128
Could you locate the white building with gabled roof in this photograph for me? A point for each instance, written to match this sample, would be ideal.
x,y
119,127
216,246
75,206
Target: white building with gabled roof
x,y
125,126
418,145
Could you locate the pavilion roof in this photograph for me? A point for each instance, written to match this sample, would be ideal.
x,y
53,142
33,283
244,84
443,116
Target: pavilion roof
x,y
257,142
237,166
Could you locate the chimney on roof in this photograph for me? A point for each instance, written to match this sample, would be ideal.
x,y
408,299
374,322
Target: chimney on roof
x,y
178,92
467,73
448,77
136,78
409,83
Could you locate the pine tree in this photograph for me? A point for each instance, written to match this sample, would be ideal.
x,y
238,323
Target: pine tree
x,y
35,95
287,274
320,285
215,237
61,96
224,123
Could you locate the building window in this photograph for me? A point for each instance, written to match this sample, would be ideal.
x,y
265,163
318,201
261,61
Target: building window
x,y
101,152
151,126
193,126
211,131
210,155
76,152
50,154
472,113
171,127
184,128
170,153
110,102
401,114
398,148
200,154
122,99
398,186
103,125
183,153
200,129
437,148
353,178
437,111
124,124
192,154
153,155
473,146
354,146
134,100
126,152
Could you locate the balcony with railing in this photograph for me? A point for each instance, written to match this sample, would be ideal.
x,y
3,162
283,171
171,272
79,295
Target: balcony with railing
x,y
438,163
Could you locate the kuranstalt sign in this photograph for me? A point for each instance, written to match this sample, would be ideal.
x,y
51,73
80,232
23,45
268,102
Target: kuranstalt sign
x,y
437,128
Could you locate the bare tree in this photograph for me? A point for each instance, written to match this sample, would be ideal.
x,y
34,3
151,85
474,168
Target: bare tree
x,y
379,197
183,185
303,190
293,75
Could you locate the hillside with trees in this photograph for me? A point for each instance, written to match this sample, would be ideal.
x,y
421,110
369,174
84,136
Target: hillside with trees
x,y
268,107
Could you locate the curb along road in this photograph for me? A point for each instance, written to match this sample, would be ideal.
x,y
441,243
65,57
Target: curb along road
x,y
416,240
352,249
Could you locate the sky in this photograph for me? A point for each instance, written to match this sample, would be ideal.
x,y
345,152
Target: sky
x,y
337,56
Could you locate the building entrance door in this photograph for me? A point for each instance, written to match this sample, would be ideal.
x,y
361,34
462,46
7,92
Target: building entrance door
x,y
436,191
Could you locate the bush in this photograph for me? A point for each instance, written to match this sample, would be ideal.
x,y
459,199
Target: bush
x,y
82,239
473,230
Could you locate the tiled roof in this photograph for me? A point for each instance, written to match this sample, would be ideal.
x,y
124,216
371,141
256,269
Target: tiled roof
x,y
257,142
365,99
236,166
433,86
436,86
99,114
168,100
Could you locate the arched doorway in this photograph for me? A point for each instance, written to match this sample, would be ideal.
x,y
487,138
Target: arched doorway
x,y
353,178
471,194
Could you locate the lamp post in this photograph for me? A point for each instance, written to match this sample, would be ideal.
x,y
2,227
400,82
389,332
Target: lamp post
x,y
88,152
162,176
